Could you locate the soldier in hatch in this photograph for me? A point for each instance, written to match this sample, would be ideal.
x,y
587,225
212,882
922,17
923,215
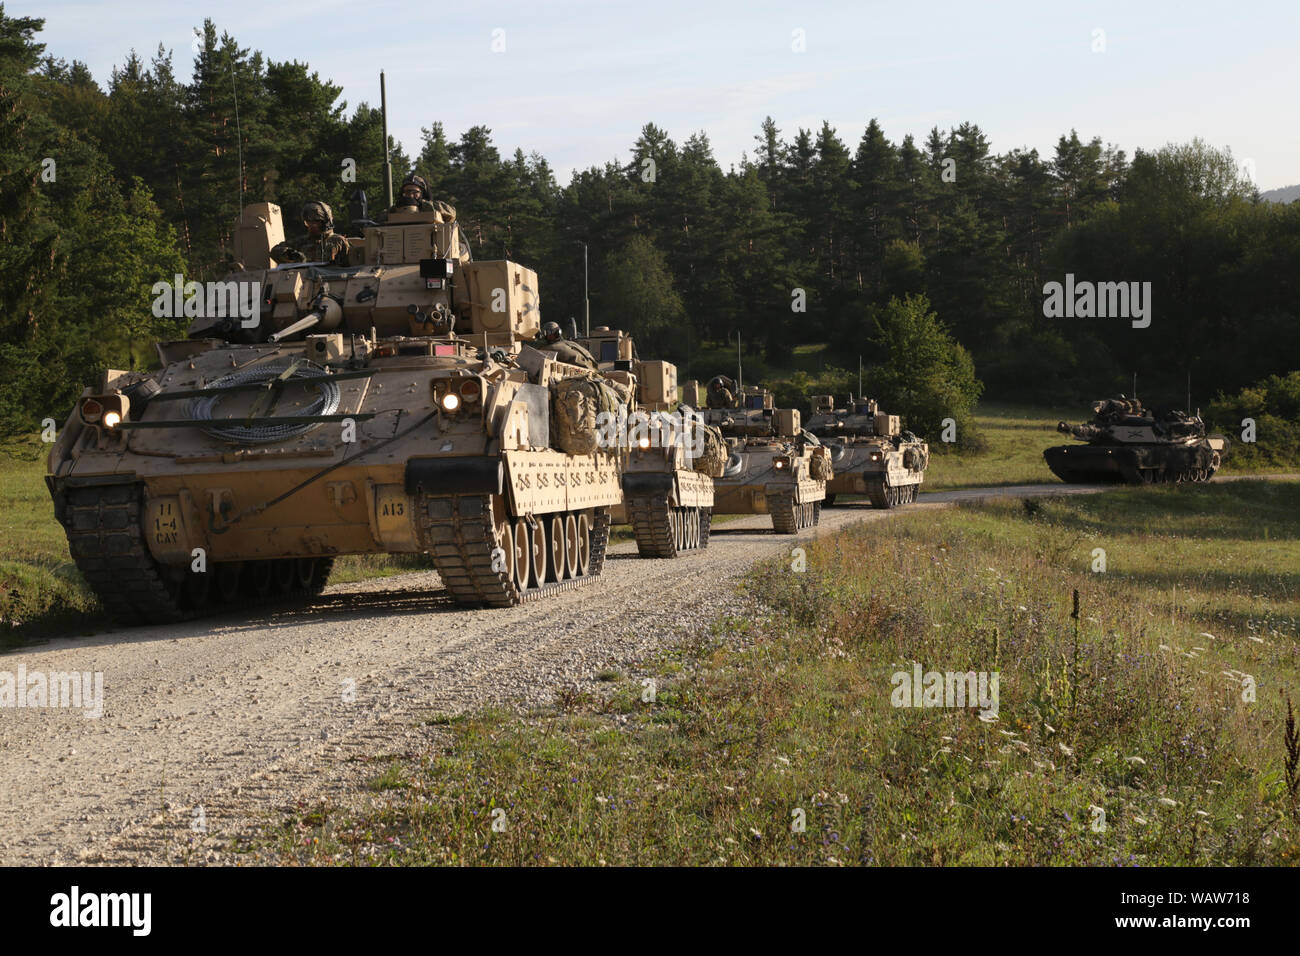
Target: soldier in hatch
x,y
550,334
414,197
552,341
321,244
722,392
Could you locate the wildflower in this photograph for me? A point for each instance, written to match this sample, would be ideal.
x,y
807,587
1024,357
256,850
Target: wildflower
x,y
1167,802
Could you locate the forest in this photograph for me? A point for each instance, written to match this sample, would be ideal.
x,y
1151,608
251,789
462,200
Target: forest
x,y
808,238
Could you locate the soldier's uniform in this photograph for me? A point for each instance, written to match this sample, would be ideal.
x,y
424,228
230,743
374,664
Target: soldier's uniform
x,y
573,353
328,247
325,246
721,392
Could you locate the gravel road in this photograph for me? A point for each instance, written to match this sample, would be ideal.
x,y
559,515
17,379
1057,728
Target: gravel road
x,y
220,721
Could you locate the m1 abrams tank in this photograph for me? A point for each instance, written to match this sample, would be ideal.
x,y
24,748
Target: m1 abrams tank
x,y
773,466
870,452
1128,443
387,406
672,456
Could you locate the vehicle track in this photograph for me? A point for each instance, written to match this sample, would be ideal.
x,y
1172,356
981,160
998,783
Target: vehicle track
x,y
245,713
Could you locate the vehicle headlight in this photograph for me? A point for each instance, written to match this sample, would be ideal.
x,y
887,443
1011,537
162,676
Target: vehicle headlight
x,y
450,402
107,410
643,442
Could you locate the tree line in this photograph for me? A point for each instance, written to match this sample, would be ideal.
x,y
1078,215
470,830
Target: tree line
x,y
806,238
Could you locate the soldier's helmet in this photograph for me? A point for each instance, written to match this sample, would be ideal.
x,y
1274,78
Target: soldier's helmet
x,y
418,181
316,211
551,331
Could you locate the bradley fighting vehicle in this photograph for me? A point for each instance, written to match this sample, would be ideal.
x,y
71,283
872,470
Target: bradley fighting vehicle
x,y
390,405
672,456
870,453
1126,442
773,465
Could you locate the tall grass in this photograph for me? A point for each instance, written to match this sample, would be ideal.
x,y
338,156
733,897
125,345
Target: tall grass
x,y
1147,728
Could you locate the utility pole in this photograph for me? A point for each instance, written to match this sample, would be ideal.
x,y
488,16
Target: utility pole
x,y
860,378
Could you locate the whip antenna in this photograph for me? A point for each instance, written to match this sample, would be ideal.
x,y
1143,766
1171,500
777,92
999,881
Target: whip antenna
x,y
239,139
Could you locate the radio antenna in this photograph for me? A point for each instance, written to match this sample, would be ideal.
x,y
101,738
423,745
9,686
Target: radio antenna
x,y
239,139
740,371
388,165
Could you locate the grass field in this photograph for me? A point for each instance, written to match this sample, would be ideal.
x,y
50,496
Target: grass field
x,y
1148,730
1013,436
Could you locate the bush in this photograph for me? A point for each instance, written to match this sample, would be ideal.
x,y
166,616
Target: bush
x,y
927,376
795,392
1274,404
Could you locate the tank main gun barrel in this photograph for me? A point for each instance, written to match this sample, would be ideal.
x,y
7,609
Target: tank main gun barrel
x,y
306,322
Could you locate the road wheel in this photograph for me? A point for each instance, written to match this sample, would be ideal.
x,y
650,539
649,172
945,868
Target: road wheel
x,y
227,583
555,541
571,546
584,545
523,549
258,578
539,553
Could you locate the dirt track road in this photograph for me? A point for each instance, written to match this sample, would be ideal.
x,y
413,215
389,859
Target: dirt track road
x,y
241,714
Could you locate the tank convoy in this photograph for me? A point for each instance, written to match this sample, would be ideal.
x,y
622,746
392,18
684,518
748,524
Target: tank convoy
x,y
1128,443
871,453
390,405
773,466
671,459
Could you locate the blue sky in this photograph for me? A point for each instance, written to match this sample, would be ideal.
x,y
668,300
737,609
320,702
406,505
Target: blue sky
x,y
577,80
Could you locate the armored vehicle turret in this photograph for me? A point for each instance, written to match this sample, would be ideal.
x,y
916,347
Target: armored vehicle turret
x,y
870,451
1126,442
773,466
391,404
